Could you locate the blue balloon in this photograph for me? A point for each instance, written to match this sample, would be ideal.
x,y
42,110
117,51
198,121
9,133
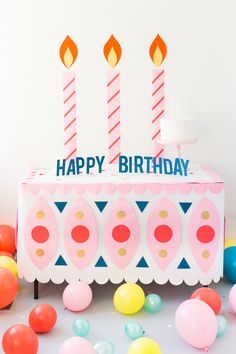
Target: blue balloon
x,y
81,327
230,264
104,347
153,303
222,325
134,330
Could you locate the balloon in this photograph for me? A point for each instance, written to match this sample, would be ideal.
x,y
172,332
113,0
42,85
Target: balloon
x,y
232,298
20,339
153,303
230,243
144,345
7,254
129,298
222,325
210,297
104,347
42,318
8,287
76,345
7,239
134,330
81,327
10,264
230,264
196,323
77,296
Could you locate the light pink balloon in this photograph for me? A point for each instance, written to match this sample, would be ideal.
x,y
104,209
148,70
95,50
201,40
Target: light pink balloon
x,y
196,323
76,345
232,298
77,296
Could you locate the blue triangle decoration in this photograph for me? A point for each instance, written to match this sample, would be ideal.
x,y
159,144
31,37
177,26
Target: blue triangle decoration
x,y
60,261
183,264
185,206
101,205
142,205
101,263
60,206
142,263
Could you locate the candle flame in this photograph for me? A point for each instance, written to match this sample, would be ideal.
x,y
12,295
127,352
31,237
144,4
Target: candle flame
x,y
112,51
68,52
158,50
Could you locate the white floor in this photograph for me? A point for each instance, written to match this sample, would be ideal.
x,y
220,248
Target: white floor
x,y
107,324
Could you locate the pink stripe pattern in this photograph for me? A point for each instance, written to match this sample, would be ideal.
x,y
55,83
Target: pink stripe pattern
x,y
158,108
70,131
113,115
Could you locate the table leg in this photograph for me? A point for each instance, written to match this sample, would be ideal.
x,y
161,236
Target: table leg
x,y
36,289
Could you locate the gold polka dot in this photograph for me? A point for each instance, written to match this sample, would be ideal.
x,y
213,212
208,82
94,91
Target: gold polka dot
x,y
40,214
205,215
205,254
40,252
81,253
79,215
162,253
121,214
122,252
163,214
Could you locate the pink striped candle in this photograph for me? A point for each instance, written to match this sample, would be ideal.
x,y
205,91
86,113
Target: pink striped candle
x,y
112,52
157,53
68,54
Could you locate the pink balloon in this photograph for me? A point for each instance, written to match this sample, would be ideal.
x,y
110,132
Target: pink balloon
x,y
196,323
76,345
77,296
232,298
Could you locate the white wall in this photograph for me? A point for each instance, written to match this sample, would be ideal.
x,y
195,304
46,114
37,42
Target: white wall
x,y
201,65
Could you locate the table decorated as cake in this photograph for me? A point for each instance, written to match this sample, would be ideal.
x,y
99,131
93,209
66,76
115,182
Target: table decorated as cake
x,y
116,227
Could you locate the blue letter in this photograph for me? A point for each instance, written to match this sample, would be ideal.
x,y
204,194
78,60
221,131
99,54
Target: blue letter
x,y
61,167
90,164
71,167
168,162
156,166
79,164
185,166
138,164
123,161
100,163
177,167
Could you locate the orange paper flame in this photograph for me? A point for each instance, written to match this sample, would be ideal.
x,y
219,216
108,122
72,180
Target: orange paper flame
x,y
68,52
158,50
112,51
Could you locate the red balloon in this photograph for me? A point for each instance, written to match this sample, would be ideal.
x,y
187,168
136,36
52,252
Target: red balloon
x,y
20,339
6,254
8,287
42,318
7,239
210,297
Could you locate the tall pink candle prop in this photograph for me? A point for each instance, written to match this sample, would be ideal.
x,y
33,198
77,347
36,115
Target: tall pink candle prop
x,y
68,54
112,52
157,53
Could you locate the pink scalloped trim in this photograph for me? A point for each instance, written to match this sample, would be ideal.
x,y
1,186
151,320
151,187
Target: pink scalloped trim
x,y
123,188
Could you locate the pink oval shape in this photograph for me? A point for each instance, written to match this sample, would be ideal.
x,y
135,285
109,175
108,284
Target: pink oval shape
x,y
41,217
163,216
204,216
80,217
123,247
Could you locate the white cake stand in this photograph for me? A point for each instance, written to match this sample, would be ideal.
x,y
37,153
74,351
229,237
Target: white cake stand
x,y
178,144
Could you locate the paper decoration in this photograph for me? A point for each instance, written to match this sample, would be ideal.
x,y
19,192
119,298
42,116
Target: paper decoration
x,y
81,235
68,55
163,232
101,205
60,206
41,234
60,261
142,205
204,233
101,263
157,53
183,264
142,263
185,206
112,52
122,233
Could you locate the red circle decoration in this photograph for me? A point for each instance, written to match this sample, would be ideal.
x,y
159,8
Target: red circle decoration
x,y
80,233
40,234
121,233
163,233
205,234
